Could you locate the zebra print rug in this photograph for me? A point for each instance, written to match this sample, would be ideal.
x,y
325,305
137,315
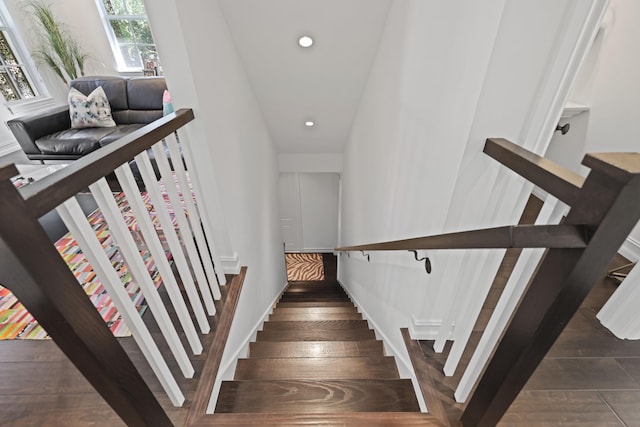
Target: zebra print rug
x,y
304,267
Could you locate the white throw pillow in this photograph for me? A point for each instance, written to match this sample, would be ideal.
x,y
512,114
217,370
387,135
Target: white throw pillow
x,y
91,111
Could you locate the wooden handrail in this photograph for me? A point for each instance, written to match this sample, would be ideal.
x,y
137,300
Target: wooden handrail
x,y
512,236
551,177
47,193
604,208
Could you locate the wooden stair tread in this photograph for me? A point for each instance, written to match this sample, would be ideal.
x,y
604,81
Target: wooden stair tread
x,y
425,373
278,317
369,419
316,335
315,325
275,349
313,397
317,368
315,287
313,297
301,304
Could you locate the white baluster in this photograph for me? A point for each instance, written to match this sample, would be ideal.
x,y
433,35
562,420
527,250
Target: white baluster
x,y
183,225
76,222
135,265
132,193
194,217
222,279
182,263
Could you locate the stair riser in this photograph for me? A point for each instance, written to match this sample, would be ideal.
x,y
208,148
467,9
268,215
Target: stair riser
x,y
314,310
328,325
314,288
314,317
266,349
335,335
307,297
316,304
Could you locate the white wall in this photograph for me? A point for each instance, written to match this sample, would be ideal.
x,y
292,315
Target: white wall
x,y
310,162
406,145
447,76
235,159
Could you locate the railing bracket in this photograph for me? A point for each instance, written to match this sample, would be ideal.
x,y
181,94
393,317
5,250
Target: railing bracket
x,y
367,256
427,261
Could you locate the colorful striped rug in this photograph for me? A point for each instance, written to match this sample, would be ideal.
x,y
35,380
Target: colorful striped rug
x,y
17,323
304,267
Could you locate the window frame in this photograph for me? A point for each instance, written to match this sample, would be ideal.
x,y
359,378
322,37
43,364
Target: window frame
x,y
24,61
106,19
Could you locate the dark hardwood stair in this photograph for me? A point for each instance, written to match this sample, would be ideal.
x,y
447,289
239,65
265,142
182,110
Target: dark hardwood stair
x,y
255,368
316,362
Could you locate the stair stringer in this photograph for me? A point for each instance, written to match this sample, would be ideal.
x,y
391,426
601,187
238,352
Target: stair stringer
x,y
405,368
227,371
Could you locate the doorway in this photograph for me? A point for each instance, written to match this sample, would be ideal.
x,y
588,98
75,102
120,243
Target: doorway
x,y
309,204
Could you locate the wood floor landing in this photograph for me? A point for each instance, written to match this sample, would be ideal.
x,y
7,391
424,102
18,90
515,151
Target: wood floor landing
x,y
316,356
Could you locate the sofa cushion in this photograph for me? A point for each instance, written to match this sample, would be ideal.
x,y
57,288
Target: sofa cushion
x,y
120,131
72,141
136,116
115,88
145,93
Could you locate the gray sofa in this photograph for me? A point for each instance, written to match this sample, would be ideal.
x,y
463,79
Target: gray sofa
x,y
134,102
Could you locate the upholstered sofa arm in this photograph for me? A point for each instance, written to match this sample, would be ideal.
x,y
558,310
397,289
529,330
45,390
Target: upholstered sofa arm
x,y
28,129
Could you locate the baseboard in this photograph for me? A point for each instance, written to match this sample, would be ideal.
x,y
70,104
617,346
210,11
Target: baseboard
x,y
230,264
227,370
317,250
406,365
9,147
427,329
630,249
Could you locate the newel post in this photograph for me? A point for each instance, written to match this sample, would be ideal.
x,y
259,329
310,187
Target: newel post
x,y
33,270
609,204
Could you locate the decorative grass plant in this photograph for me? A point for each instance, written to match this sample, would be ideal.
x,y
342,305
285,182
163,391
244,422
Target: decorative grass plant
x,y
56,48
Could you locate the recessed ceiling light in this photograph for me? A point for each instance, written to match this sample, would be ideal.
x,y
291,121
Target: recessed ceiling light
x,y
305,41
309,123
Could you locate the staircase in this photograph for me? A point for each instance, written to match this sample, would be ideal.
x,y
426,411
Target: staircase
x,y
317,362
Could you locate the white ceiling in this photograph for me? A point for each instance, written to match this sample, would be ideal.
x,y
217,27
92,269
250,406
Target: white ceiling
x,y
322,83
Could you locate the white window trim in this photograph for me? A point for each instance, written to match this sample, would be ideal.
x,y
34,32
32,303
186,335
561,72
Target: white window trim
x,y
42,98
113,42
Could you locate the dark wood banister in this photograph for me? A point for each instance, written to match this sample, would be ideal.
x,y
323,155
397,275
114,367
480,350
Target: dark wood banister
x,y
32,269
511,236
604,209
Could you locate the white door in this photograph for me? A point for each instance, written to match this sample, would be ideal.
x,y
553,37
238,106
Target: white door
x,y
289,194
309,211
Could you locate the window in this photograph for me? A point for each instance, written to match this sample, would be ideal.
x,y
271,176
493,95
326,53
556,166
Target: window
x,y
128,30
15,82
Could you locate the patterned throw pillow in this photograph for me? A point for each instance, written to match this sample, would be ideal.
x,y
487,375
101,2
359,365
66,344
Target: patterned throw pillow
x,y
91,111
